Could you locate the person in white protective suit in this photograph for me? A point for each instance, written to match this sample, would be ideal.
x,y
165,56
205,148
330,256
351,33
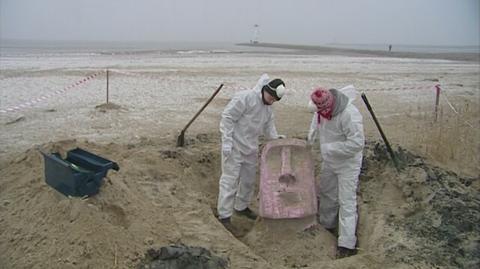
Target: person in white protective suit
x,y
339,125
248,115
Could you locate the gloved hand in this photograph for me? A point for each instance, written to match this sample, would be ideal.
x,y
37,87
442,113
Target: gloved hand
x,y
226,150
326,149
281,136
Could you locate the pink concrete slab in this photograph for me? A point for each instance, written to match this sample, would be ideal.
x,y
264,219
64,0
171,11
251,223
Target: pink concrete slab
x,y
287,181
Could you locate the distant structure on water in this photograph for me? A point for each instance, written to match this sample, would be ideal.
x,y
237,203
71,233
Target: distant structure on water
x,y
254,39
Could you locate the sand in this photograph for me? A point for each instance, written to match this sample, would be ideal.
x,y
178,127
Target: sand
x,y
425,216
331,50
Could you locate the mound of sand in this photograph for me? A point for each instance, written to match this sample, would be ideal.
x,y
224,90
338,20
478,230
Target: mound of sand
x,y
108,106
163,195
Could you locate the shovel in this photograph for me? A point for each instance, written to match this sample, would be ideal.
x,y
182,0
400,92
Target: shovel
x,y
181,137
389,148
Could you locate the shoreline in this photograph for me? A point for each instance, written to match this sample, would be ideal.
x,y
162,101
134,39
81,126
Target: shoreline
x,y
324,50
23,47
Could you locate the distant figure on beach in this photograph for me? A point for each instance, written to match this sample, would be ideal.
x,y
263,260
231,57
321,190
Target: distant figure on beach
x,y
248,115
339,125
389,48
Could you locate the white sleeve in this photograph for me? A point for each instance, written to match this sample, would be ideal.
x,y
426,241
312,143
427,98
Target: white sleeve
x,y
352,127
313,131
230,115
270,131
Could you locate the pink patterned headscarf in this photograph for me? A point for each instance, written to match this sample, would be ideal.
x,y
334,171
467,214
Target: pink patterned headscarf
x,y
325,101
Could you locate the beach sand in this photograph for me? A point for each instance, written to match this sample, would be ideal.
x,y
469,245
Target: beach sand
x,y
332,50
424,217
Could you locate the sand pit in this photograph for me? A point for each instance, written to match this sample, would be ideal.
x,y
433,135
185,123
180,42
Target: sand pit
x,y
165,195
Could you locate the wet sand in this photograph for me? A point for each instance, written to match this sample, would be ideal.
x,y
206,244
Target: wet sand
x,y
323,50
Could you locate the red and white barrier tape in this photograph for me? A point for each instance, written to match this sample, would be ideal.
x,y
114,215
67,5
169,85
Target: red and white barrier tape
x,y
240,88
46,96
449,104
454,110
291,91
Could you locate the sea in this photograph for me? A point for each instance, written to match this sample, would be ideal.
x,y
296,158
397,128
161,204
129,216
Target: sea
x,y
28,47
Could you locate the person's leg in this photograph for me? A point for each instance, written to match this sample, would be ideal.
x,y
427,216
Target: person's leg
x,y
228,184
328,198
246,186
347,190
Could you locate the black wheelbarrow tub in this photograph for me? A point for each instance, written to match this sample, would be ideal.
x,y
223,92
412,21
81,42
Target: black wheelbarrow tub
x,y
80,174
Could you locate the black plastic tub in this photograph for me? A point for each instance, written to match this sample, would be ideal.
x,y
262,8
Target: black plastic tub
x,y
80,174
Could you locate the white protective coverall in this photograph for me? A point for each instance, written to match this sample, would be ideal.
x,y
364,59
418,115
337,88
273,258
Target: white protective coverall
x,y
244,119
341,145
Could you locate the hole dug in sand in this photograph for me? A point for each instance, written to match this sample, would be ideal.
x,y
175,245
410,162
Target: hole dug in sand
x,y
291,242
422,216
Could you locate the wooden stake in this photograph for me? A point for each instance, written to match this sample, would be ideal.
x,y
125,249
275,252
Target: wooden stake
x,y
437,101
107,86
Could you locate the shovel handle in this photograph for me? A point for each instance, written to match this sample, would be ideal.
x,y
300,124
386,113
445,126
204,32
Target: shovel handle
x,y
180,139
203,107
389,148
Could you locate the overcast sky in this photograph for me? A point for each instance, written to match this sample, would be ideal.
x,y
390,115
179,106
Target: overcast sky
x,y
416,22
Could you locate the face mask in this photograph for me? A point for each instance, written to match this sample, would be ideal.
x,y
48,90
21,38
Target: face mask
x,y
312,107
